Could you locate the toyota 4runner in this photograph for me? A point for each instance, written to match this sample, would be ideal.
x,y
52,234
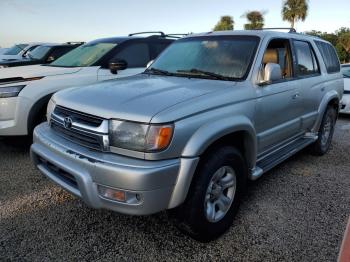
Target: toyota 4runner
x,y
213,111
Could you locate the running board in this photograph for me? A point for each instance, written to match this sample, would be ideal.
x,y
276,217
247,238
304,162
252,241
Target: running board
x,y
271,160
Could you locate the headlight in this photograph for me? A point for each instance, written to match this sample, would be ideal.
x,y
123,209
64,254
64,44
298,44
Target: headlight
x,y
50,107
10,91
139,137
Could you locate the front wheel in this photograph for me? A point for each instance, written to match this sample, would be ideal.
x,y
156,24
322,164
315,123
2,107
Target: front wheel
x,y
214,195
325,133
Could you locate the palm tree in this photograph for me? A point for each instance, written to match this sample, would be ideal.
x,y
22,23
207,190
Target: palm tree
x,y
255,19
294,10
226,23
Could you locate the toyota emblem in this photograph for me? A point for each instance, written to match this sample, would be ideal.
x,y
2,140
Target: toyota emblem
x,y
67,122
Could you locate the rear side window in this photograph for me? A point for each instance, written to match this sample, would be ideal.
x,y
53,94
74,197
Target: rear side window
x,y
157,48
329,56
60,51
306,60
136,55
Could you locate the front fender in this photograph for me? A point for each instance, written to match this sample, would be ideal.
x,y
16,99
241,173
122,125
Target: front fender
x,y
207,134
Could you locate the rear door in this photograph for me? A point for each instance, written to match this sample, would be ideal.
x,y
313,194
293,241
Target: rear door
x,y
308,82
136,54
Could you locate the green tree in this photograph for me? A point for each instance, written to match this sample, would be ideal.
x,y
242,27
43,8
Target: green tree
x,y
294,10
343,44
255,20
226,23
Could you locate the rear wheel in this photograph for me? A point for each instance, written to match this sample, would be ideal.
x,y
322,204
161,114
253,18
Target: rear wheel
x,y
214,195
325,133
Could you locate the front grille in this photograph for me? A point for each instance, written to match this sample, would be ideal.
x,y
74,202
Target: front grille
x,y
84,129
59,173
91,141
82,118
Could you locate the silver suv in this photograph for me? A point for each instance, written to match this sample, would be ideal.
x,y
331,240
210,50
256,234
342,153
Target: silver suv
x,y
213,111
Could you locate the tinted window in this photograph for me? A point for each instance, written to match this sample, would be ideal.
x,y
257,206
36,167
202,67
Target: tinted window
x,y
136,55
158,48
84,55
39,52
329,56
306,61
16,49
58,52
228,56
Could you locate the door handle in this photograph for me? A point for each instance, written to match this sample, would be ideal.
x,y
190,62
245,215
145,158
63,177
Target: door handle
x,y
295,96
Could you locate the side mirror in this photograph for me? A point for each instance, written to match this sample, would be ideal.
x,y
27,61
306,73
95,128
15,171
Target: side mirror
x,y
50,59
149,63
273,72
116,65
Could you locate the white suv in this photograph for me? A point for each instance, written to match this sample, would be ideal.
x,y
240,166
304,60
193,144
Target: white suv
x,y
26,90
345,108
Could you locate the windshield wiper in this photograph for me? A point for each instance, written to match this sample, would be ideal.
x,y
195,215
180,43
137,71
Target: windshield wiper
x,y
206,73
158,71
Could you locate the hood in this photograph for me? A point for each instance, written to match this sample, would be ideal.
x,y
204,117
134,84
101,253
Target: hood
x,y
136,98
35,71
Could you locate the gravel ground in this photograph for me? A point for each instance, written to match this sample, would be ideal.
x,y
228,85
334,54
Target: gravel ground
x,y
296,212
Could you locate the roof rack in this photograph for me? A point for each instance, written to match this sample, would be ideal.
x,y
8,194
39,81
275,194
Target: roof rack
x,y
291,29
75,43
150,32
175,35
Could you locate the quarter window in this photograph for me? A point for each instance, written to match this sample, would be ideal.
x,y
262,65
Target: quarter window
x,y
136,55
329,56
306,60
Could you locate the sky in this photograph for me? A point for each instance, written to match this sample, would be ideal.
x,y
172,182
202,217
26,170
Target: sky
x,y
24,21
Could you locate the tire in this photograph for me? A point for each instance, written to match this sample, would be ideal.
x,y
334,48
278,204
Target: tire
x,y
193,217
325,133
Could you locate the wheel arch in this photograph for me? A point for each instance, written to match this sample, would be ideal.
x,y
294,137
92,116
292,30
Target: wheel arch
x,y
36,111
236,131
331,98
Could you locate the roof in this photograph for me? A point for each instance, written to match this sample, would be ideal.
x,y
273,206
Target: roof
x,y
259,33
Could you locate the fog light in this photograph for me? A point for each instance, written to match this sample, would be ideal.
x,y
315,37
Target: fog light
x,y
119,195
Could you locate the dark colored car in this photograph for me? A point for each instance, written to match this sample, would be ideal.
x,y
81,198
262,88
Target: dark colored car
x,y
42,54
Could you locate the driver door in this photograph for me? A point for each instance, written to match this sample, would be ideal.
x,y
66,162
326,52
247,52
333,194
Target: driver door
x,y
278,103
137,55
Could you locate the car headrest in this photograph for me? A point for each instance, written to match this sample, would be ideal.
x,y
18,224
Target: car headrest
x,y
270,56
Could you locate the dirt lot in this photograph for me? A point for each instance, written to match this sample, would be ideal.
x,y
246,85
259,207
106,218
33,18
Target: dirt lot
x,y
296,212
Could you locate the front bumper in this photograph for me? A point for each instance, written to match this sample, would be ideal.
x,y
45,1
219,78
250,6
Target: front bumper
x,y
155,181
14,116
345,104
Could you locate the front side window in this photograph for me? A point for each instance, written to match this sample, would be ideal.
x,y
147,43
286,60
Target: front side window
x,y
306,61
212,57
278,52
84,55
136,55
346,71
329,56
16,49
39,52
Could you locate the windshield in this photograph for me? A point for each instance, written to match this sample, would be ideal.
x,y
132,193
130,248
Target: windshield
x,y
346,71
16,49
216,57
85,55
39,52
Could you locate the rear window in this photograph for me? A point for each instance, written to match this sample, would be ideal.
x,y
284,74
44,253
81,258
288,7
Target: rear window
x,y
329,56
